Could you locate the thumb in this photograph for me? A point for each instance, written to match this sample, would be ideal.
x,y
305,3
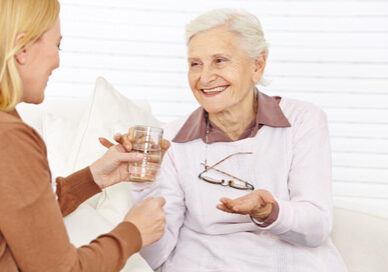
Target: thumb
x,y
161,201
130,157
105,142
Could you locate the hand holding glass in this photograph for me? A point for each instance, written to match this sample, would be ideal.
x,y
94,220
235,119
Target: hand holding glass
x,y
146,140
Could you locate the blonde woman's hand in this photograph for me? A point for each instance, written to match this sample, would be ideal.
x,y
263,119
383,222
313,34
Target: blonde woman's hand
x,y
112,167
149,218
257,204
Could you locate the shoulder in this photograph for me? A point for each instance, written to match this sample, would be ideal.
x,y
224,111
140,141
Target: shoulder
x,y
173,127
15,133
300,112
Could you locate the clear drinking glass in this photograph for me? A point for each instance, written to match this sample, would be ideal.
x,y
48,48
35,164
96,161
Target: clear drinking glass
x,y
147,142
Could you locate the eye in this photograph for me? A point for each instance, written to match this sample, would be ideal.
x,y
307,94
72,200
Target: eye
x,y
194,64
220,61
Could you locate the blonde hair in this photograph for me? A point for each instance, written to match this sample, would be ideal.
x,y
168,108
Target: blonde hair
x,y
32,18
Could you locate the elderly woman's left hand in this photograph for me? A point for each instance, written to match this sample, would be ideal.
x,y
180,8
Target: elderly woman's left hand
x,y
257,204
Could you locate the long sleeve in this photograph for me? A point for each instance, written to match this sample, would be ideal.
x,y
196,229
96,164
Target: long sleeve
x,y
75,189
167,185
306,218
31,221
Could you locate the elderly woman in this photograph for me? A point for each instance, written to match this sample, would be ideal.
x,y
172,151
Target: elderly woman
x,y
247,178
32,233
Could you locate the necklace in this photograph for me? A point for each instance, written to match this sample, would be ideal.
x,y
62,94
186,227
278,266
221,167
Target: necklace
x,y
223,182
207,139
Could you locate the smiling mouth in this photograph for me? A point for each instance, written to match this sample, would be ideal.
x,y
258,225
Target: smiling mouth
x,y
214,90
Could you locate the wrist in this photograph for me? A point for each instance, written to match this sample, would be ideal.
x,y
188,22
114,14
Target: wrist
x,y
96,177
262,213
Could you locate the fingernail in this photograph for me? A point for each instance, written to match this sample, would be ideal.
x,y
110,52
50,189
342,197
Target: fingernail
x,y
128,147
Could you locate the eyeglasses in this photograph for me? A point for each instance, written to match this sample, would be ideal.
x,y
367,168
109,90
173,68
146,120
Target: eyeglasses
x,y
231,183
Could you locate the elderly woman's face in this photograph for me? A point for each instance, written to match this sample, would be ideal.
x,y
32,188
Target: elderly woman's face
x,y
221,75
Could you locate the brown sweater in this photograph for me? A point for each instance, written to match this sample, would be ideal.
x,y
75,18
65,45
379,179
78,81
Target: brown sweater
x,y
32,233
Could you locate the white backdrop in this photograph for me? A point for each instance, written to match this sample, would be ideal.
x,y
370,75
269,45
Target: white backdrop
x,y
332,53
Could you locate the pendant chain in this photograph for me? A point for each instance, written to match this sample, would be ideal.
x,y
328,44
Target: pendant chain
x,y
207,139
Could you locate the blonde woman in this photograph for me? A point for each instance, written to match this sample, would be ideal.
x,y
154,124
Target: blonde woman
x,y
32,233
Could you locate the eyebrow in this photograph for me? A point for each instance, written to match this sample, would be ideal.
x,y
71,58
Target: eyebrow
x,y
221,55
217,55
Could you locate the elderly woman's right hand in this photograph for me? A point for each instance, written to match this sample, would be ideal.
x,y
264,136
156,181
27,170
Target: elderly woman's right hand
x,y
149,218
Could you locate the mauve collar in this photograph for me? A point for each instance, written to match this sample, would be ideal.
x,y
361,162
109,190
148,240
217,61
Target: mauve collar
x,y
269,113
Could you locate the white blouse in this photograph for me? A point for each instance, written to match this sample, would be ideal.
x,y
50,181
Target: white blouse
x,y
293,163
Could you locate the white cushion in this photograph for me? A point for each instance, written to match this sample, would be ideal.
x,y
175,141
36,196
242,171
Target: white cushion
x,y
71,129
362,240
107,112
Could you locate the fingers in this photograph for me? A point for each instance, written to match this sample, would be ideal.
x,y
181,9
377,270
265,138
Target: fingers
x,y
154,157
164,144
130,157
161,201
128,139
117,138
224,208
121,139
131,134
156,202
228,205
124,140
257,204
242,205
105,142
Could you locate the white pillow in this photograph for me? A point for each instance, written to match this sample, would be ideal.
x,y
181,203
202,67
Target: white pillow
x,y
71,132
108,112
32,115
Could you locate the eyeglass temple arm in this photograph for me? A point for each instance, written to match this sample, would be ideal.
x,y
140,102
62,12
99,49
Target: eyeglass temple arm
x,y
222,172
227,157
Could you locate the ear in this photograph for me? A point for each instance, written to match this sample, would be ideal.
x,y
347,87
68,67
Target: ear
x,y
21,54
258,68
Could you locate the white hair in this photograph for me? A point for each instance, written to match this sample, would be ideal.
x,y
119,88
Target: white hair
x,y
245,24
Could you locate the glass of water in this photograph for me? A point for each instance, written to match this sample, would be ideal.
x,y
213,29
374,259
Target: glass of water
x,y
146,140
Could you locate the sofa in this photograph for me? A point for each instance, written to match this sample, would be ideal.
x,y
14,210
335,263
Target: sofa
x,y
71,127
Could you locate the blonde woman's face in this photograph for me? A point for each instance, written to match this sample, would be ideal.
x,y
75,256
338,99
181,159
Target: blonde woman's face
x,y
36,63
221,75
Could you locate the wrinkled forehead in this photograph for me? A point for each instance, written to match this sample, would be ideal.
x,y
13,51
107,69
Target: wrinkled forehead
x,y
214,41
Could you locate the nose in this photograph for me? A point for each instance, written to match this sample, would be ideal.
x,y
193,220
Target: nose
x,y
207,75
